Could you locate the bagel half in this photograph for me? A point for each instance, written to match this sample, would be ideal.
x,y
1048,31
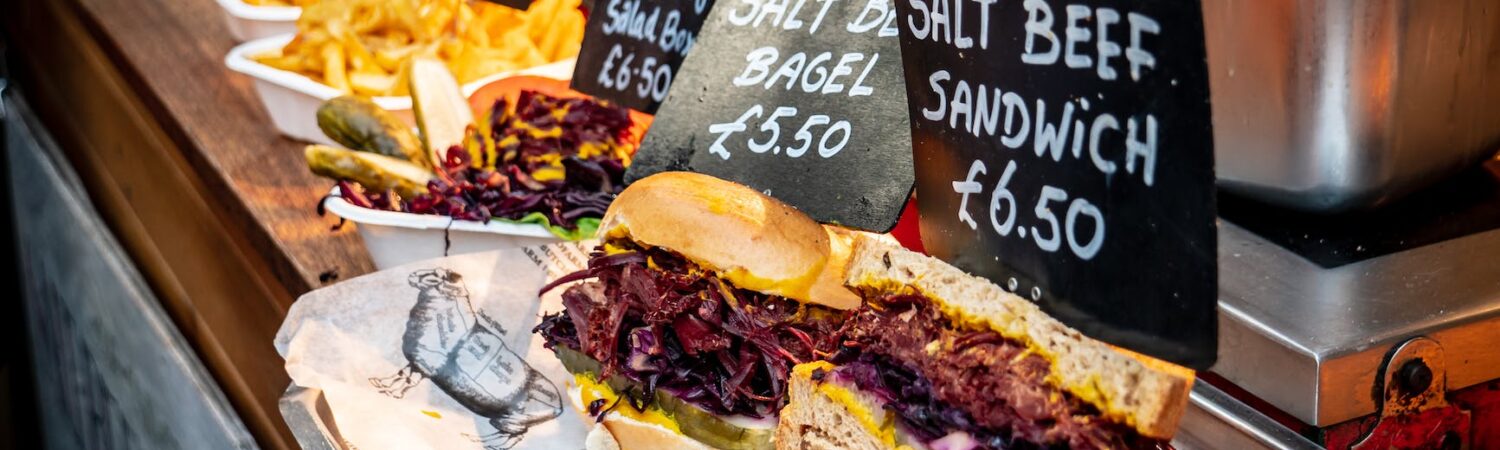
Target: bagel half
x,y
753,241
698,282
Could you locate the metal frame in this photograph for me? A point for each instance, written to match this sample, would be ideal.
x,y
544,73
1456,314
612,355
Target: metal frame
x,y
1214,419
1310,340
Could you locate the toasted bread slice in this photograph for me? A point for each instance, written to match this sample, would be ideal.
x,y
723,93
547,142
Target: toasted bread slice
x,y
1147,395
814,420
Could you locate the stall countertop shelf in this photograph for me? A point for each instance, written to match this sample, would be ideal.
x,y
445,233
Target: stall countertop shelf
x,y
183,163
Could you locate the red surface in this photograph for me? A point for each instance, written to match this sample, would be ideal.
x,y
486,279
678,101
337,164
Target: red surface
x,y
1483,403
1422,430
907,231
1473,411
1346,434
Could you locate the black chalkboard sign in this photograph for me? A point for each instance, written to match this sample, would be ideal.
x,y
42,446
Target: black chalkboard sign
x,y
633,48
1065,151
517,4
802,99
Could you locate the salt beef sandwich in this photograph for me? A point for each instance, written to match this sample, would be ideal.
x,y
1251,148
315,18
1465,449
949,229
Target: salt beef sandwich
x,y
939,359
701,298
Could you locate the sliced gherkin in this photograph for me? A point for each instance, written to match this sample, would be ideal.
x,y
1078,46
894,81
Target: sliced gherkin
x,y
694,422
576,362
439,105
374,172
713,430
360,124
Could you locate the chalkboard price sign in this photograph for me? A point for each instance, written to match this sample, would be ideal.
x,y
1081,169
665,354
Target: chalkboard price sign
x,y
1065,151
631,49
517,4
801,99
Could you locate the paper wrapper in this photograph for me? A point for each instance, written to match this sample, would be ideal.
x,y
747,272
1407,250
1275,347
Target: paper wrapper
x,y
434,354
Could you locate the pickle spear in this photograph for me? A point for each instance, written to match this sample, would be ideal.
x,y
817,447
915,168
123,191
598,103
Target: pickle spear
x,y
440,108
360,124
374,172
694,422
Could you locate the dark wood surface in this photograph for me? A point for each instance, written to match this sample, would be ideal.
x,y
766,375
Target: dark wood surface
x,y
181,160
172,53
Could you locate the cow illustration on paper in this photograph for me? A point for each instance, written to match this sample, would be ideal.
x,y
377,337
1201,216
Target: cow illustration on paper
x,y
463,352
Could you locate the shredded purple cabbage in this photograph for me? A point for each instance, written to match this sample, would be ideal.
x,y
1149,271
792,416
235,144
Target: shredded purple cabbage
x,y
674,327
586,139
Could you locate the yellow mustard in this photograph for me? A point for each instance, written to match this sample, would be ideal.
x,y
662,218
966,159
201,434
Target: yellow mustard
x,y
548,173
593,390
881,425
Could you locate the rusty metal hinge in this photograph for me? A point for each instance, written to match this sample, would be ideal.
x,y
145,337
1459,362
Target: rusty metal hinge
x,y
1414,412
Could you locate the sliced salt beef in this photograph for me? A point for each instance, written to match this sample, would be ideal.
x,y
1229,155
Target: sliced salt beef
x,y
941,377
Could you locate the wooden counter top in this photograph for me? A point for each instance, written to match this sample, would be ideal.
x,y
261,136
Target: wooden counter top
x,y
181,159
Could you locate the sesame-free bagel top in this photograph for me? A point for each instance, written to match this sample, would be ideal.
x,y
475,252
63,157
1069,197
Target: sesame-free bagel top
x,y
751,240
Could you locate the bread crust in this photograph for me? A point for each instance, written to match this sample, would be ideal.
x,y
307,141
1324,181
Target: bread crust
x,y
1145,394
812,421
754,241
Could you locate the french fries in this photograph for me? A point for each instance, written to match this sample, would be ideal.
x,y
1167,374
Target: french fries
x,y
362,47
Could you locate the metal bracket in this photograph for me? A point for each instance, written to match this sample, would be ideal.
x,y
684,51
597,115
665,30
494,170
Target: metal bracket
x,y
1415,378
1414,409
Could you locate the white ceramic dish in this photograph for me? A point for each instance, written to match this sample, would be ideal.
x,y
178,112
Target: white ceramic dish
x,y
250,22
396,238
292,99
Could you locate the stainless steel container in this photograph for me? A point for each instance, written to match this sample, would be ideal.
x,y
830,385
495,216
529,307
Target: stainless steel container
x,y
1333,105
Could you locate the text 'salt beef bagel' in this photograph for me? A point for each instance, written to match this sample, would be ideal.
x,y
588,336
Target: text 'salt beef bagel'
x,y
940,359
702,296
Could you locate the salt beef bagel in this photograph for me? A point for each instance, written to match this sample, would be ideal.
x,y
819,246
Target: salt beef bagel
x,y
770,257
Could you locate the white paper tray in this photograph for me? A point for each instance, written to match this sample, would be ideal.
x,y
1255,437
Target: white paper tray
x,y
396,238
250,22
292,99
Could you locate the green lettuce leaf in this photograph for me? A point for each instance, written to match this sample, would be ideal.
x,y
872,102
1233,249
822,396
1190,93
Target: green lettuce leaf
x,y
587,226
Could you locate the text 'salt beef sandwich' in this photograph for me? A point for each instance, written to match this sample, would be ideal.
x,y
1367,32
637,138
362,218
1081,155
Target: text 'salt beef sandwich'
x,y
938,359
702,297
